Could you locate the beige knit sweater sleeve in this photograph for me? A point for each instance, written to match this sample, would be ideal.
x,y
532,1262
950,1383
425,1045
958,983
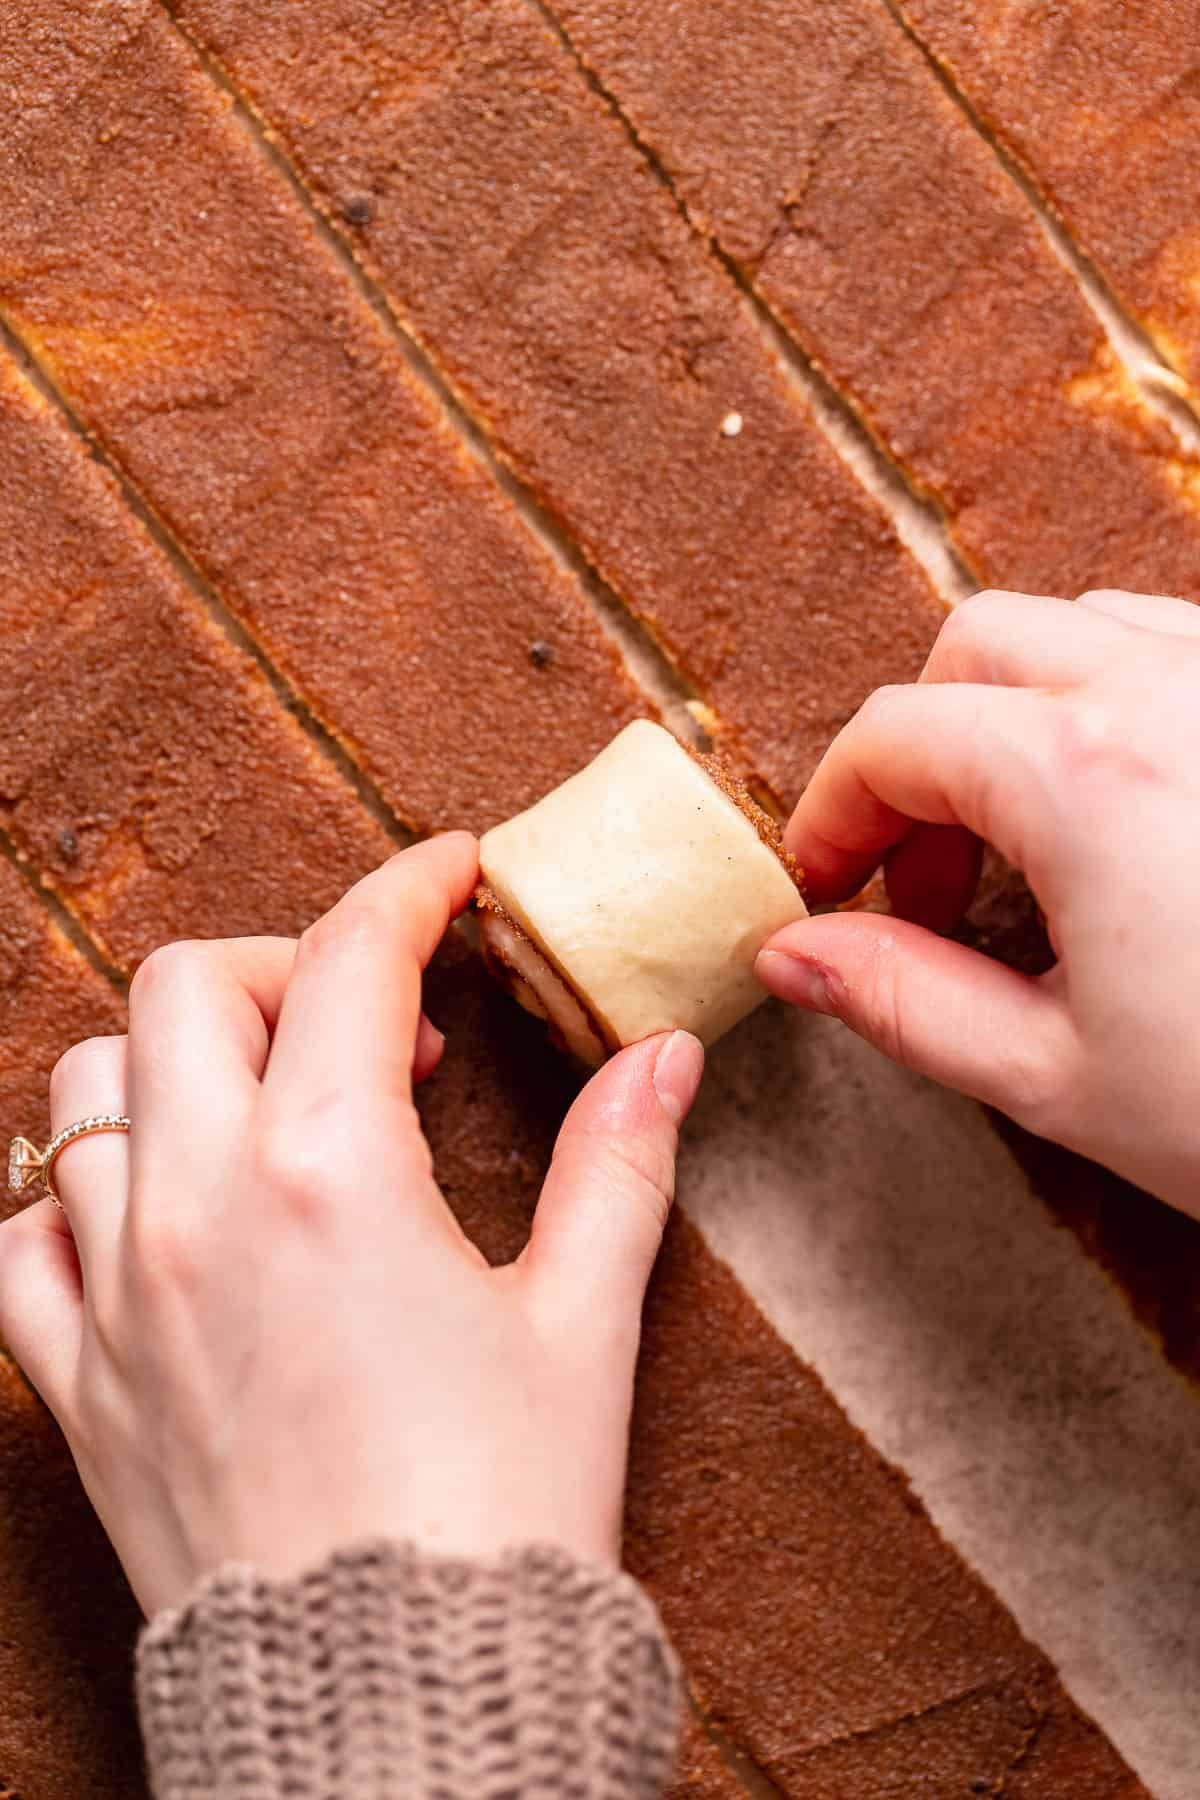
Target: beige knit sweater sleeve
x,y
385,1671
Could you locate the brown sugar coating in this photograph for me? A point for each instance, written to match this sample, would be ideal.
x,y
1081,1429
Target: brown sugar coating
x,y
1067,1755
145,764
1023,1737
179,295
700,1773
814,144
824,1623
67,1724
498,960
1100,104
769,830
516,228
1151,1251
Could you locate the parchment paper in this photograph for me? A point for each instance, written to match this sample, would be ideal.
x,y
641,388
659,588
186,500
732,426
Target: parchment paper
x,y
891,1238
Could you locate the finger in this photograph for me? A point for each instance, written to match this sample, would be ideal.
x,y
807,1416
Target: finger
x,y
201,1013
943,753
1149,612
599,1222
932,875
41,1300
91,1174
1021,640
254,968
349,1017
931,1004
201,1017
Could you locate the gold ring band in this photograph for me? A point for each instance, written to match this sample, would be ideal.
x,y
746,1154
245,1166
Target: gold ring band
x,y
26,1163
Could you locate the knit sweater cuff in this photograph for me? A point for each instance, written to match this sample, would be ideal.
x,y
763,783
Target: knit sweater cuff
x,y
387,1671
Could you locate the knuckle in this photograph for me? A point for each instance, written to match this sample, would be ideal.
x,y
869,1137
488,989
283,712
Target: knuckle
x,y
1030,1074
878,704
166,966
641,1172
1085,729
297,1161
1101,595
970,627
354,920
1033,1082
967,621
1096,745
85,1067
162,1252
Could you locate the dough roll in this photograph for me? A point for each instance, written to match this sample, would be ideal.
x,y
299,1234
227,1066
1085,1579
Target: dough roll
x,y
634,897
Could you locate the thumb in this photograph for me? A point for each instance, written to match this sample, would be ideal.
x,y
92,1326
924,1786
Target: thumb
x,y
933,1005
599,1222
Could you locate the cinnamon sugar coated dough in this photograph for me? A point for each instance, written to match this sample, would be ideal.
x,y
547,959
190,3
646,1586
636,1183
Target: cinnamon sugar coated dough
x,y
547,272
1101,105
816,147
144,761
182,300
700,1773
515,960
647,887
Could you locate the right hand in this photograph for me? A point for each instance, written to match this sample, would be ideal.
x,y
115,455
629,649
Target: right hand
x,y
1068,736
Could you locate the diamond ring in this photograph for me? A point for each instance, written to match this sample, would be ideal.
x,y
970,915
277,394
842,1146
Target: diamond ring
x,y
26,1163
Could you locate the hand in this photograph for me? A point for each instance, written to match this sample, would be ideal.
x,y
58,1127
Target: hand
x,y
262,1332
1068,736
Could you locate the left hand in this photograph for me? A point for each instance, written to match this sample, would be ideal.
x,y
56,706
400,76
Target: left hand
x,y
258,1324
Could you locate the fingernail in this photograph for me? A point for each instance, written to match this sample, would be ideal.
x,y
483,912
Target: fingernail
x,y
677,1072
799,980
